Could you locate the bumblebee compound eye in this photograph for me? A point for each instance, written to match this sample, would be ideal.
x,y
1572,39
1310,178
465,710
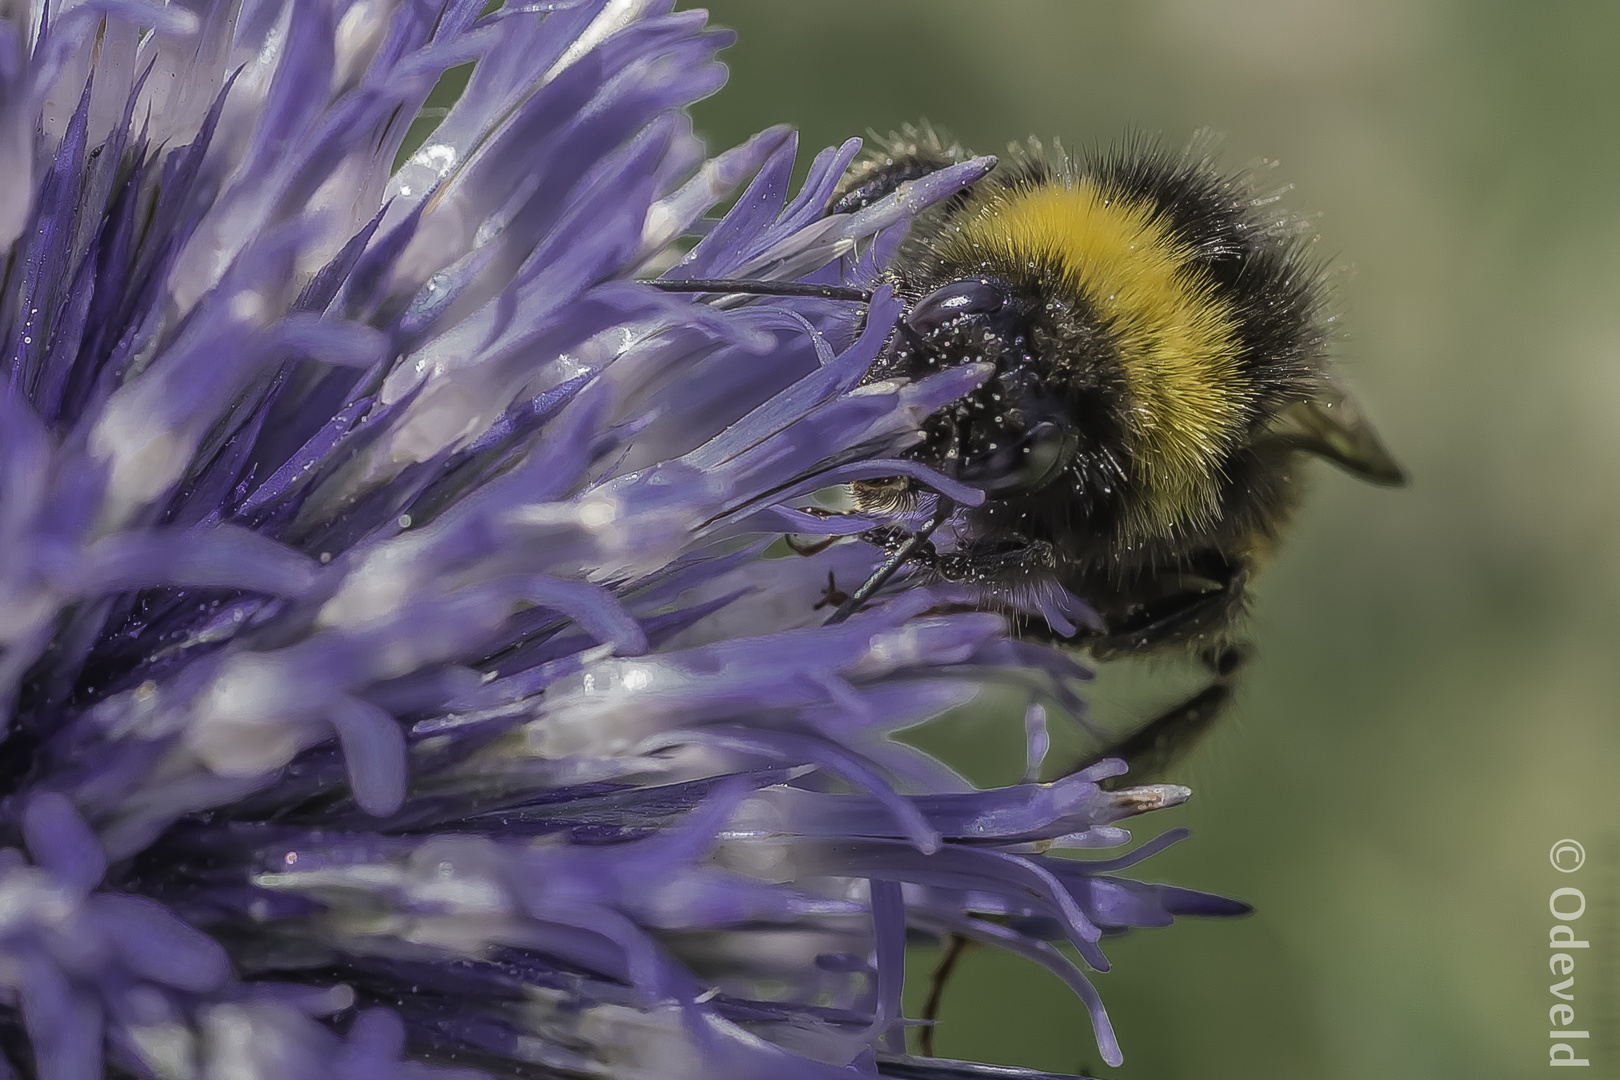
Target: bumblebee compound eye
x,y
1025,464
973,298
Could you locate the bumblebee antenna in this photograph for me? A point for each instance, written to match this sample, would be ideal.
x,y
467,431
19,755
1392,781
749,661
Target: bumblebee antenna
x,y
764,288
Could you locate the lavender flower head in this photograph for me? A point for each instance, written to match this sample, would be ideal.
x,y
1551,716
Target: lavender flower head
x,y
395,678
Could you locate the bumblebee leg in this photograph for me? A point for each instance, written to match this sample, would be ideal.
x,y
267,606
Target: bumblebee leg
x,y
832,595
913,548
955,946
1153,748
815,547
1001,562
1189,610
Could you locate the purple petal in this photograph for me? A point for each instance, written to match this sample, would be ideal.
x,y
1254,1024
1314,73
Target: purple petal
x,y
60,841
157,945
374,750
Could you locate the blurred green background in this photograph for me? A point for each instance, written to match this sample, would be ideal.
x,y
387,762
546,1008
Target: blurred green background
x,y
1436,699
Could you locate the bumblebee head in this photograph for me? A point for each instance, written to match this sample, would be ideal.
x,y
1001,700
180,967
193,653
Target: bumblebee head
x,y
1017,434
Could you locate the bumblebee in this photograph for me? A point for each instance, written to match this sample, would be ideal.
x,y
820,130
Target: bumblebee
x,y
1159,340
1159,336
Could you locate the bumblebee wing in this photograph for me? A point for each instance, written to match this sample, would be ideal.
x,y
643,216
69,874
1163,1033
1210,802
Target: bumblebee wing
x,y
1331,425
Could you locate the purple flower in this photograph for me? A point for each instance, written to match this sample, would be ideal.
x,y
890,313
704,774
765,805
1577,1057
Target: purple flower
x,y
398,674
